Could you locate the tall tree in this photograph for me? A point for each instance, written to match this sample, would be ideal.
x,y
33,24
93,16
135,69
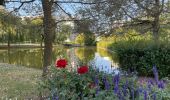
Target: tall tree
x,y
48,34
152,9
48,25
112,13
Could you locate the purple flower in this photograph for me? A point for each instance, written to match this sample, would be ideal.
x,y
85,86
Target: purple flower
x,y
116,83
139,90
124,90
155,72
116,88
149,85
55,97
145,95
120,95
161,85
97,90
106,83
96,81
116,78
125,86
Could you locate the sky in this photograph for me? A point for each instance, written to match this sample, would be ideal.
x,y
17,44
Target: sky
x,y
35,8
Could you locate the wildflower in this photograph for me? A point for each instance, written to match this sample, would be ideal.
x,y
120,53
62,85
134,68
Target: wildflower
x,y
116,78
106,83
145,95
116,88
125,86
116,83
97,90
149,85
96,81
55,97
124,90
155,72
139,90
120,95
161,85
82,69
61,63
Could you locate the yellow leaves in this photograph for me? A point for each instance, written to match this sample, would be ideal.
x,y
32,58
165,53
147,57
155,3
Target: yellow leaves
x,y
37,21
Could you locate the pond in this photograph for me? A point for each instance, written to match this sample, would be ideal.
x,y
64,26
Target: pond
x,y
95,57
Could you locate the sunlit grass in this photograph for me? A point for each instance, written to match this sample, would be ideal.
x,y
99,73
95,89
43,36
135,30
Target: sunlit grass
x,y
18,82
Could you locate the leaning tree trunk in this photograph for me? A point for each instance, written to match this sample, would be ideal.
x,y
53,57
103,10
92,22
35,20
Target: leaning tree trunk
x,y
48,35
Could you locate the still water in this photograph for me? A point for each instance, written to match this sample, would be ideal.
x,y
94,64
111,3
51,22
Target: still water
x,y
95,57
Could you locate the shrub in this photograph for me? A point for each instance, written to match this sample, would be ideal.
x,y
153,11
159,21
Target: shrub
x,y
141,55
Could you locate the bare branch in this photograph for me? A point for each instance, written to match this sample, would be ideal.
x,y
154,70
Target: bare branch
x,y
19,1
64,10
59,21
16,9
140,5
79,2
162,7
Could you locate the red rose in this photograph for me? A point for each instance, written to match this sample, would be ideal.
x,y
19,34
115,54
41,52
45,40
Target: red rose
x,y
61,63
82,69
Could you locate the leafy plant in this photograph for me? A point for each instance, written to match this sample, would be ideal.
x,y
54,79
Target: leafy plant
x,y
68,84
141,55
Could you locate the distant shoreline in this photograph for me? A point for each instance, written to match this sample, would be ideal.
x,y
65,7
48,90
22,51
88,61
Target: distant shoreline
x,y
28,45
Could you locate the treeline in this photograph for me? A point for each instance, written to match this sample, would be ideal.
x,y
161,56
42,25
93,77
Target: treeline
x,y
16,29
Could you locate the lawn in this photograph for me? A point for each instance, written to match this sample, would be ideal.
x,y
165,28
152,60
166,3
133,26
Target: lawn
x,y
17,82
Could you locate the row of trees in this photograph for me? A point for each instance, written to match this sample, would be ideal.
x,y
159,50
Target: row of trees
x,y
15,29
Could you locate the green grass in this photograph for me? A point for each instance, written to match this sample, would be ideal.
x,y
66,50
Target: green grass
x,y
18,82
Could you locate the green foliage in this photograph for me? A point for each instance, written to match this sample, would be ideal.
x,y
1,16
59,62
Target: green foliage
x,y
85,54
80,39
67,84
141,55
63,33
14,29
87,39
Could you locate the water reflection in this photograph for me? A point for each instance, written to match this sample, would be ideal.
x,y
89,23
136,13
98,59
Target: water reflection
x,y
26,57
97,58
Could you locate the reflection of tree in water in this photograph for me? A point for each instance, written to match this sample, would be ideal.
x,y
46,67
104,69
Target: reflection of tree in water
x,y
25,57
59,52
105,53
85,54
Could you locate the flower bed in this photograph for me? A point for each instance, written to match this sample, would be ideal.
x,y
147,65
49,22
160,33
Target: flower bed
x,y
87,83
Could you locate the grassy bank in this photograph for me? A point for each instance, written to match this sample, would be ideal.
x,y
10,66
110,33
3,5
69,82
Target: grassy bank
x,y
18,82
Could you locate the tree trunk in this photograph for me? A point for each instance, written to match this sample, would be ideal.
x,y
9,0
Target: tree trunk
x,y
48,35
155,24
156,27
